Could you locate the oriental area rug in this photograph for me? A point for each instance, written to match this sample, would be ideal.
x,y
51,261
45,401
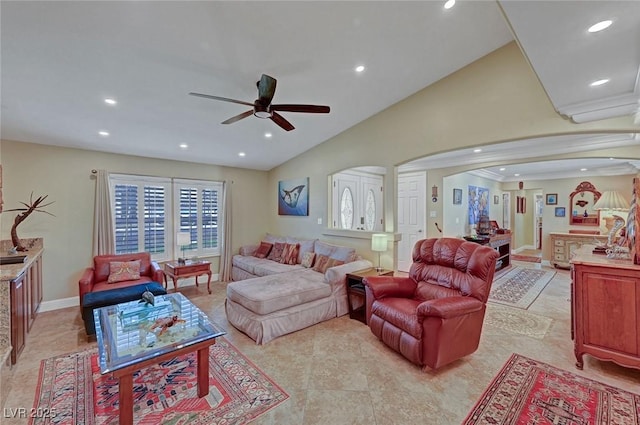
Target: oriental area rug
x,y
527,391
72,386
520,286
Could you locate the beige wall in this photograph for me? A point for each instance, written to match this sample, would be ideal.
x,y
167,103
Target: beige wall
x,y
65,175
495,99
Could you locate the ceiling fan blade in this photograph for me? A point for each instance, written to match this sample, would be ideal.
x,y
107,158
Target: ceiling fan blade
x,y
313,109
238,117
281,121
266,89
224,99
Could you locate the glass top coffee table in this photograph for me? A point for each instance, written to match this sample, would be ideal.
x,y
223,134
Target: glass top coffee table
x,y
134,335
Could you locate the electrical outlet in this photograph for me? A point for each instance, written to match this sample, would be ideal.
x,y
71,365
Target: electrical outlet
x,y
319,221
433,214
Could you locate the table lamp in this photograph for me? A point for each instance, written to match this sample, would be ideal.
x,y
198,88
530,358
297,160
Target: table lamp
x,y
183,239
378,244
611,200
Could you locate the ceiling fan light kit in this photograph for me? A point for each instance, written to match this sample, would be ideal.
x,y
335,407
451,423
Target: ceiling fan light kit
x,y
262,107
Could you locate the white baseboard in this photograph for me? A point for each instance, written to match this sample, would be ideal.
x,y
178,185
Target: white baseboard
x,y
59,303
522,248
75,301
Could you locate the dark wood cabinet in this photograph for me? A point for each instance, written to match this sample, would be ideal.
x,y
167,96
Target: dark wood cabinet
x,y
605,310
18,294
25,293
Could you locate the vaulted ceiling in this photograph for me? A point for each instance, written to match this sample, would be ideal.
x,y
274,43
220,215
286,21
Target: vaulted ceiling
x,y
61,60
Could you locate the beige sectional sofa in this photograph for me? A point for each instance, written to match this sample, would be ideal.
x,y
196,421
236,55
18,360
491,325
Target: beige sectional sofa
x,y
269,299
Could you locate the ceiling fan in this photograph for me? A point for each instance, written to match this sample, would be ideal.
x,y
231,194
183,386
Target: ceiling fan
x,y
262,107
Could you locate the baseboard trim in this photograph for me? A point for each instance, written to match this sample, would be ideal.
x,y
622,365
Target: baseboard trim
x,y
59,304
75,301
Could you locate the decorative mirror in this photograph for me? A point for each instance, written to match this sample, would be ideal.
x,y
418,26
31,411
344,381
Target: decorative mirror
x,y
581,204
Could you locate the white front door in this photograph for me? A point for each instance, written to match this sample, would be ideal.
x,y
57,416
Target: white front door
x,y
411,215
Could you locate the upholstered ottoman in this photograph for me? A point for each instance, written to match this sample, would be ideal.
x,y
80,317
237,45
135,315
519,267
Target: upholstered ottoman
x,y
93,300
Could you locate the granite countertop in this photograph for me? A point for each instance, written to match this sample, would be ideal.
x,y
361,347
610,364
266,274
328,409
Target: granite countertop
x,y
9,272
584,255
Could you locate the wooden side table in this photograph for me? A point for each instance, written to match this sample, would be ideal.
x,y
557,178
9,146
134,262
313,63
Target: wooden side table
x,y
177,271
356,294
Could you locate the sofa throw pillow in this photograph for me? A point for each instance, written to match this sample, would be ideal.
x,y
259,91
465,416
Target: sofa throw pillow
x,y
276,252
321,263
307,259
332,263
290,253
120,271
263,250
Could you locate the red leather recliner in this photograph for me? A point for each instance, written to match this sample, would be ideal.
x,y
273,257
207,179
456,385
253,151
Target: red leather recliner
x,y
434,316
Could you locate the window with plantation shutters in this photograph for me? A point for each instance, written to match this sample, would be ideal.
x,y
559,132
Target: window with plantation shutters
x,y
149,211
141,215
198,214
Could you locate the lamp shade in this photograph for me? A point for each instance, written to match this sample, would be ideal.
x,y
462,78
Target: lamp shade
x,y
183,238
379,242
611,200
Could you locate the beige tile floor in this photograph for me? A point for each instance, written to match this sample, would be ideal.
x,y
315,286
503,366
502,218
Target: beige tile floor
x,y
337,372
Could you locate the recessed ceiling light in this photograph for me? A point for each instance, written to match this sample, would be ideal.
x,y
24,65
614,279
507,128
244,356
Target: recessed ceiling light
x,y
599,82
502,168
267,135
449,4
583,169
103,133
611,159
183,146
110,101
517,174
478,150
360,68
600,26
241,154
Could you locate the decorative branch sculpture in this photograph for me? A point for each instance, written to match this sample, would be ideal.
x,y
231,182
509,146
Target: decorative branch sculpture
x,y
32,206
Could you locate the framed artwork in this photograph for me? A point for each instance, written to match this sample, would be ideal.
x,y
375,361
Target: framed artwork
x,y
457,196
494,225
560,211
496,199
552,199
293,197
478,203
521,205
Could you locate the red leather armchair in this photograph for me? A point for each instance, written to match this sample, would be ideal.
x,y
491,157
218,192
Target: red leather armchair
x,y
434,316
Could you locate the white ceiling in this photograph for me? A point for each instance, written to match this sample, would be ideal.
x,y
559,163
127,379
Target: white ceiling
x,y
61,59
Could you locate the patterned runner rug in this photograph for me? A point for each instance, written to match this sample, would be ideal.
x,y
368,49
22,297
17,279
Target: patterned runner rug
x,y
527,391
72,387
519,287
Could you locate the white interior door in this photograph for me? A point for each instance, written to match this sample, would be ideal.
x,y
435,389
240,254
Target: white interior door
x,y
345,211
411,215
372,204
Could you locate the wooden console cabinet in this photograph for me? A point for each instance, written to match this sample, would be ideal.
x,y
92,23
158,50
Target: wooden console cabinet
x,y
499,242
605,308
25,293
564,246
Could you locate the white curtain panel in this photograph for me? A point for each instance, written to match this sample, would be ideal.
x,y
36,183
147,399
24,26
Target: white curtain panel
x,y
226,254
103,239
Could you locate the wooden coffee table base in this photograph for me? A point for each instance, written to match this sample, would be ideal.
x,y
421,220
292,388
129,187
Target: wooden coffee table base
x,y
125,376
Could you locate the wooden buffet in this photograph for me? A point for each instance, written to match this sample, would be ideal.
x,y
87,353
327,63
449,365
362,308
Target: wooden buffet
x,y
499,242
605,308
20,300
